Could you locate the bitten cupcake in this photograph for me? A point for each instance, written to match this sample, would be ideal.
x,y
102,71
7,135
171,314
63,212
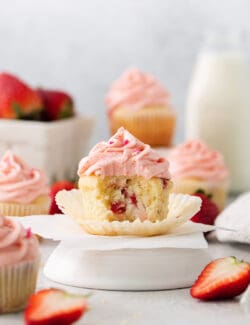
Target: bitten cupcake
x,y
23,190
139,103
19,264
124,179
194,166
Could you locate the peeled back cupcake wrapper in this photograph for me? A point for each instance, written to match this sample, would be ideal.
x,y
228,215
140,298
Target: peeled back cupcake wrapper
x,y
181,209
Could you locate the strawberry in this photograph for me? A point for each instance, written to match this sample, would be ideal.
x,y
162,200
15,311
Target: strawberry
x,y
222,279
54,306
57,104
208,212
17,100
56,187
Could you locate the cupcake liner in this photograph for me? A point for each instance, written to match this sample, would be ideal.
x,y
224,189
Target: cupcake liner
x,y
154,126
190,186
40,206
17,283
181,208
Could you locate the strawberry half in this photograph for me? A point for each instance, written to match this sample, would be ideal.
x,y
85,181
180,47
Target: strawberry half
x,y
222,279
57,187
17,100
208,211
54,306
57,104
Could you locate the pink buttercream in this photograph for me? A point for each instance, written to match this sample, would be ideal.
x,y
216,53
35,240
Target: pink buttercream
x,y
124,155
18,182
135,90
16,243
194,159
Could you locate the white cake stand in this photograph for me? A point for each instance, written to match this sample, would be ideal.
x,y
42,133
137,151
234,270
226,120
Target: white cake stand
x,y
126,269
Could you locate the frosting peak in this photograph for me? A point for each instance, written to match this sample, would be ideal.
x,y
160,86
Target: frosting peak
x,y
135,90
124,155
16,243
195,159
18,182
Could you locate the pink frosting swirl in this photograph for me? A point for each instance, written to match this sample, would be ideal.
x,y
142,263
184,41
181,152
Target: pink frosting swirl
x,y
18,182
135,90
16,243
124,155
194,159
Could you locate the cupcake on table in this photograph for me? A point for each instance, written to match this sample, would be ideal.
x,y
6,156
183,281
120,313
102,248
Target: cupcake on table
x,y
23,190
196,167
19,264
138,102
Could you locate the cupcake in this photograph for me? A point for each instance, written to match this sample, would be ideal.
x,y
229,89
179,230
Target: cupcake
x,y
23,190
194,167
124,179
19,264
140,104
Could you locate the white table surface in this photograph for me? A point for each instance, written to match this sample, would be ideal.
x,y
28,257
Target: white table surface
x,y
156,307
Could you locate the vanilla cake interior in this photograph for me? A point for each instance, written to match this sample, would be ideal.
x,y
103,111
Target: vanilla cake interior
x,y
125,197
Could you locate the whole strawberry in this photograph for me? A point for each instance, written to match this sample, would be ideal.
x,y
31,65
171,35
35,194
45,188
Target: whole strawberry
x,y
18,100
54,306
208,212
57,104
222,279
56,187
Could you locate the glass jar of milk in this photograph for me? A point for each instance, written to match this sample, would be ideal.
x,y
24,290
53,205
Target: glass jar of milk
x,y
218,105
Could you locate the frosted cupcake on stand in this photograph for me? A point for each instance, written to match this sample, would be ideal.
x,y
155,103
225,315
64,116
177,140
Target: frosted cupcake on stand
x,y
194,167
23,190
139,103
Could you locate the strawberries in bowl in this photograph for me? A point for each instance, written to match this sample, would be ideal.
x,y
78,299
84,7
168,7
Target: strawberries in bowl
x,y
57,104
17,99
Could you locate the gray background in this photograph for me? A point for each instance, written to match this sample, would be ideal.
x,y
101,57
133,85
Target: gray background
x,y
82,46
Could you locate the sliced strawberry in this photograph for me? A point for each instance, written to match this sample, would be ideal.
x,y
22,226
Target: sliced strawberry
x,y
57,104
222,279
208,211
56,187
54,306
18,100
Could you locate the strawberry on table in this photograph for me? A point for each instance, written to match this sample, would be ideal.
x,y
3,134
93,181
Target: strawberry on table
x,y
18,100
222,279
54,306
57,104
208,211
56,187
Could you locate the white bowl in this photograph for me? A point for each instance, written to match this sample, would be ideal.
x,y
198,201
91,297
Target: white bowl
x,y
126,269
55,147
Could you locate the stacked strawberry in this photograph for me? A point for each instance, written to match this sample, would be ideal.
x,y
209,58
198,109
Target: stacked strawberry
x,y
19,101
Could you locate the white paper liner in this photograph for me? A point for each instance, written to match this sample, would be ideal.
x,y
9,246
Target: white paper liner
x,y
181,208
17,283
